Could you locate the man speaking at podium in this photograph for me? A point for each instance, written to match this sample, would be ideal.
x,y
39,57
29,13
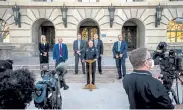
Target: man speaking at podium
x,y
91,53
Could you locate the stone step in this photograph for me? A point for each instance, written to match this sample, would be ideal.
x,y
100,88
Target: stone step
x,y
109,75
72,67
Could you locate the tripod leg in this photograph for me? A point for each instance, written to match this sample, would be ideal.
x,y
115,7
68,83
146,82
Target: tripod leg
x,y
175,96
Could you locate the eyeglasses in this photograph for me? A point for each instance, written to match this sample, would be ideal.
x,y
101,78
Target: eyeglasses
x,y
148,59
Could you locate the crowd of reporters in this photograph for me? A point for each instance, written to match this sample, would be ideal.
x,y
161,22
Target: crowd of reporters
x,y
16,86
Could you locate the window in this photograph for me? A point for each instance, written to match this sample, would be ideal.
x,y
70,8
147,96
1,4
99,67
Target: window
x,y
174,32
88,0
4,31
131,0
43,0
176,0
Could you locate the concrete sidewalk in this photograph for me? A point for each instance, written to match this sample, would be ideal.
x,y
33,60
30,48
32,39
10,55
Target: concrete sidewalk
x,y
107,96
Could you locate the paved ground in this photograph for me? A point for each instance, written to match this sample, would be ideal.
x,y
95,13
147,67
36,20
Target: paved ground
x,y
107,96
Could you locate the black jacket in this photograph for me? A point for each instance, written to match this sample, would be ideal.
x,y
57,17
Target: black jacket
x,y
146,92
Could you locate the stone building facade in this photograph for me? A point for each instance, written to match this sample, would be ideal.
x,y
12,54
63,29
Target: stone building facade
x,y
136,20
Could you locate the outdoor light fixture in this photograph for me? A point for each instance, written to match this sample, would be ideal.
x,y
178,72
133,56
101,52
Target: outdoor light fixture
x,y
64,15
16,14
179,20
158,15
111,10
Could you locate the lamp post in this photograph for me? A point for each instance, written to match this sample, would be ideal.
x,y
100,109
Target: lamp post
x,y
16,14
1,37
64,15
158,15
111,10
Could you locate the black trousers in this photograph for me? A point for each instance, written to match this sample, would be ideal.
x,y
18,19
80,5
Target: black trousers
x,y
99,64
93,72
77,57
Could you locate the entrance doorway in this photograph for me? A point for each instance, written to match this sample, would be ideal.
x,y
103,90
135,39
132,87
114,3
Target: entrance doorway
x,y
87,32
133,32
43,27
88,28
49,32
130,36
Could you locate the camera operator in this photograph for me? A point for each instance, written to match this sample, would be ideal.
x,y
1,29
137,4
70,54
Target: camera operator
x,y
16,89
61,67
144,91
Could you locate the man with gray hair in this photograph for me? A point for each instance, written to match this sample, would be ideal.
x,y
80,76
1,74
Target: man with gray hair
x,y
144,91
120,54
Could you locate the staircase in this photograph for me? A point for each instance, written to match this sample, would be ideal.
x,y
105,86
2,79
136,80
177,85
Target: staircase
x,y
108,67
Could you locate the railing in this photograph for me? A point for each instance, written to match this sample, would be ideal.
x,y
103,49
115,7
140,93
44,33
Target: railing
x,y
176,0
42,0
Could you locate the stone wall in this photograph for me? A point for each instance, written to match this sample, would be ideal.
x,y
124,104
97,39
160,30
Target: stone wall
x,y
142,13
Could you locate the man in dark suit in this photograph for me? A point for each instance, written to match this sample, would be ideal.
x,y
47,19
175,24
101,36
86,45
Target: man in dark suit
x,y
78,47
120,54
99,46
60,54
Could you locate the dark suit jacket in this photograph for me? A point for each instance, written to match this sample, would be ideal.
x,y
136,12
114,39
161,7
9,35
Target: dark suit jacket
x,y
100,46
123,49
43,48
75,47
56,52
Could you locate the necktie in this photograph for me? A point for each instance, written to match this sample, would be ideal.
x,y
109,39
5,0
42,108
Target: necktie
x,y
60,49
119,46
78,44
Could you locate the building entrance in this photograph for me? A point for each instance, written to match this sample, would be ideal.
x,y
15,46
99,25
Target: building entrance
x,y
130,36
49,32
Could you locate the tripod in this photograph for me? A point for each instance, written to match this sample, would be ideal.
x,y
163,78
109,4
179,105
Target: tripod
x,y
168,83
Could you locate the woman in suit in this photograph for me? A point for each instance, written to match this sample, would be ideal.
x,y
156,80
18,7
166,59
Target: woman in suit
x,y
43,49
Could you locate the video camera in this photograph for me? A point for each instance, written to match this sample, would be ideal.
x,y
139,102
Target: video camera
x,y
170,65
47,93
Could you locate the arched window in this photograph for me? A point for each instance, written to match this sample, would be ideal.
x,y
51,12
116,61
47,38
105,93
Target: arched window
x,y
174,32
4,31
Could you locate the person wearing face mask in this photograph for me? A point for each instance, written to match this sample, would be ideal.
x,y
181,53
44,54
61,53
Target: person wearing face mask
x,y
143,90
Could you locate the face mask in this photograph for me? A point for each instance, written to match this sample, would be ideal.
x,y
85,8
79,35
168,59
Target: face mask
x,y
152,63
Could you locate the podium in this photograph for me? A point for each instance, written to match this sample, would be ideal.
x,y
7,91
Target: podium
x,y
90,86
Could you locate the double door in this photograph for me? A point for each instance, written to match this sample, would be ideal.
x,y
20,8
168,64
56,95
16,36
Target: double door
x,y
49,32
87,32
130,36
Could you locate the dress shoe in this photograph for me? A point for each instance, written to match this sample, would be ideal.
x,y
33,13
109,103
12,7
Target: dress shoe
x,y
119,77
76,73
84,73
86,84
100,72
66,87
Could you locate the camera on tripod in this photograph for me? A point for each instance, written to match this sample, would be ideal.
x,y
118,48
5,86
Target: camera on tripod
x,y
47,93
171,66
